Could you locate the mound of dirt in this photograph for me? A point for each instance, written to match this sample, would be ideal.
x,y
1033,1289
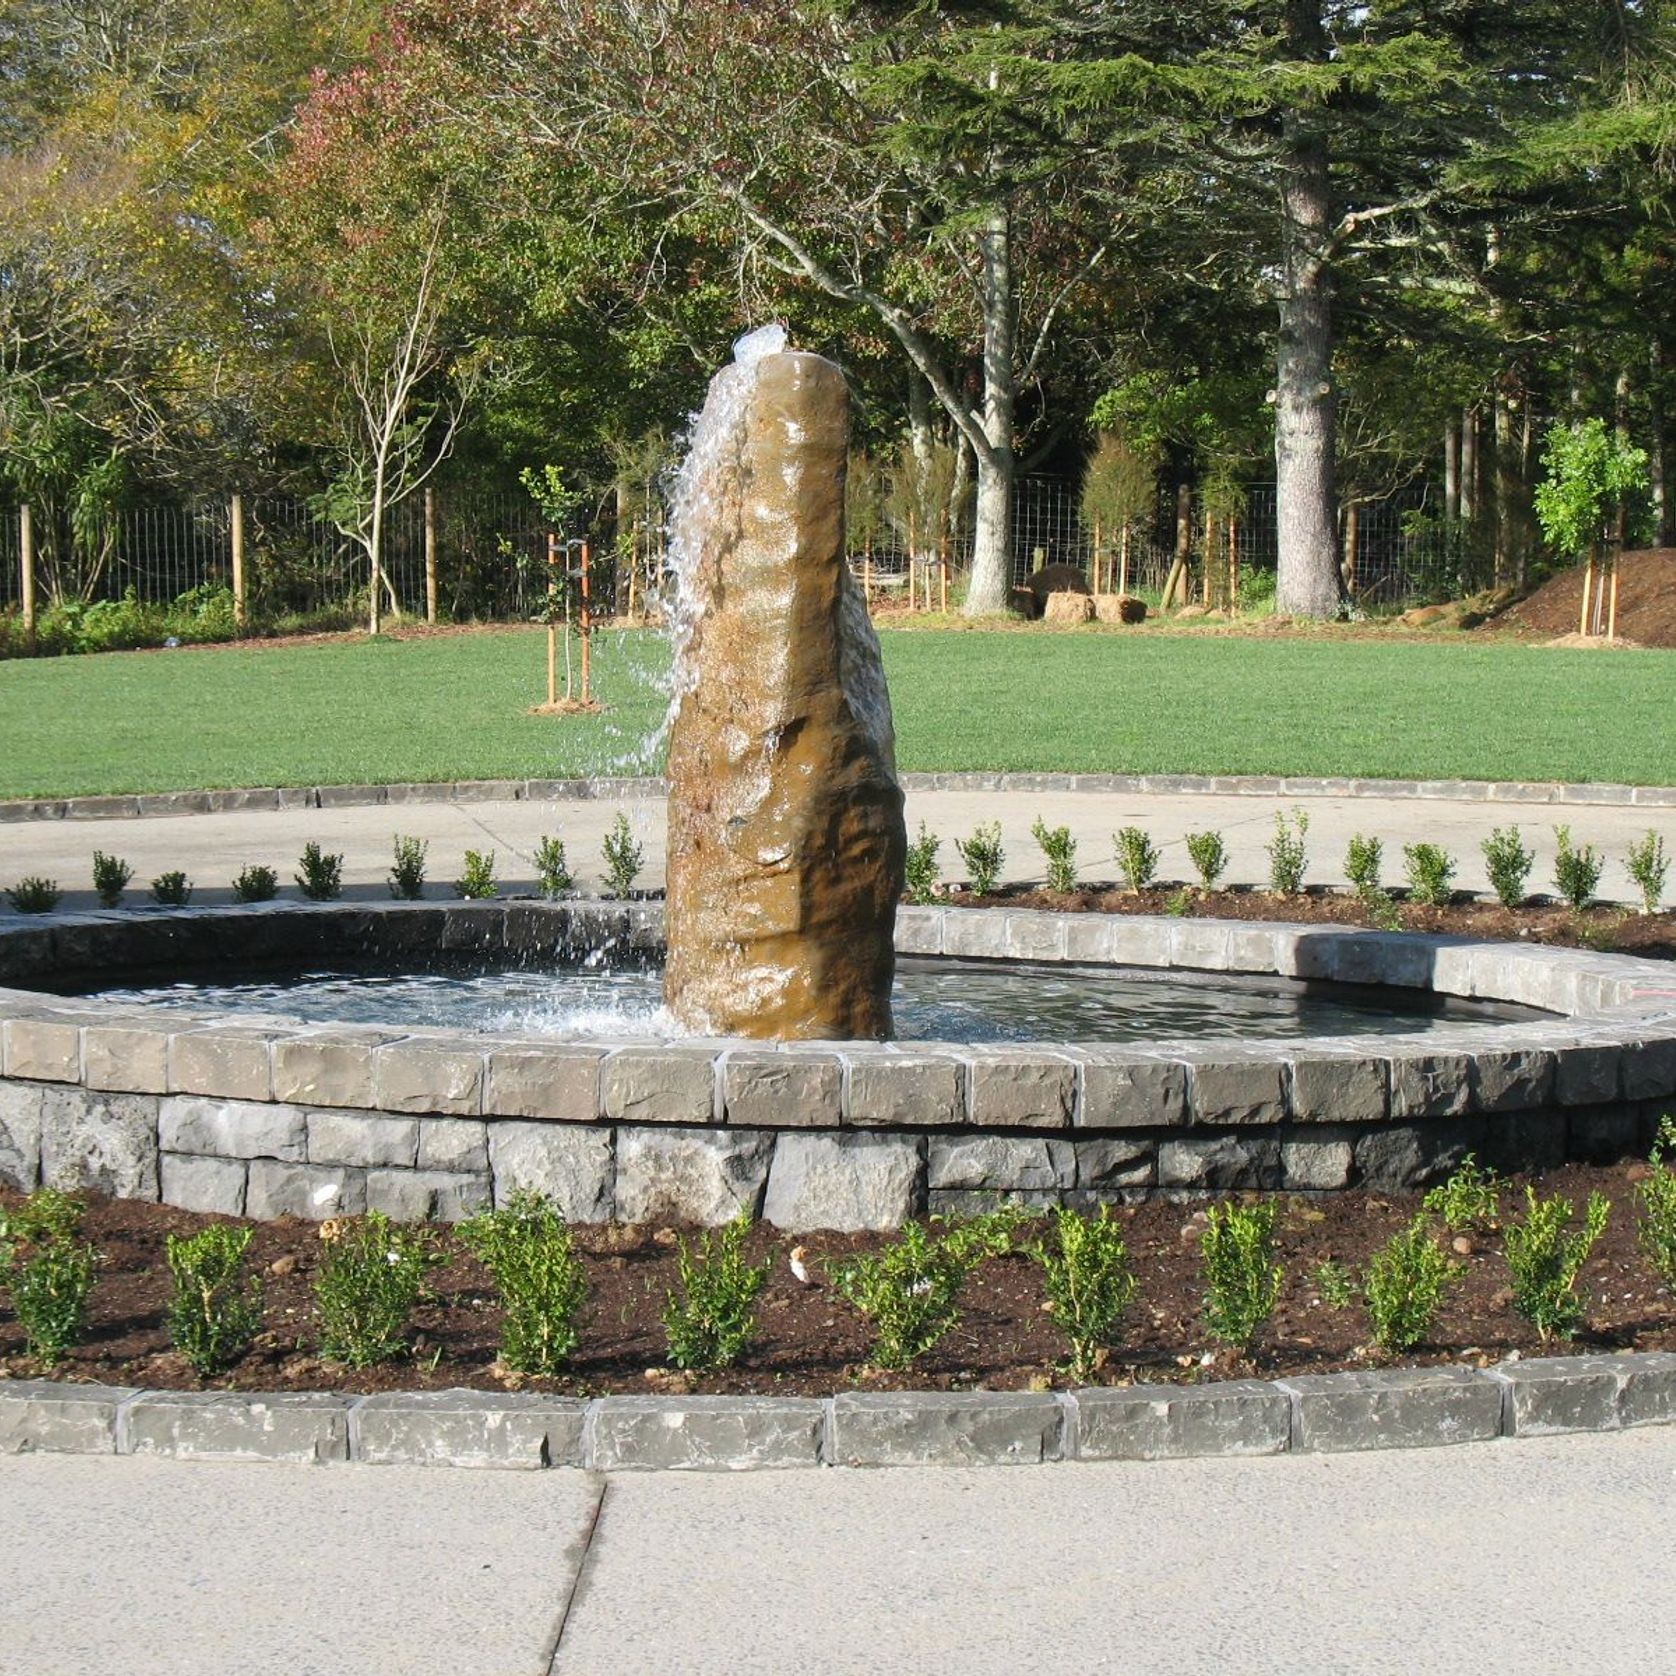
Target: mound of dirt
x,y
1646,602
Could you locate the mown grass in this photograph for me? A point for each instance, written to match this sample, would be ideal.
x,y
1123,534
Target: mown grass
x,y
455,707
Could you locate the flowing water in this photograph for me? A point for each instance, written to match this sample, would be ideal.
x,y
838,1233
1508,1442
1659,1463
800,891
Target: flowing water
x,y
934,1001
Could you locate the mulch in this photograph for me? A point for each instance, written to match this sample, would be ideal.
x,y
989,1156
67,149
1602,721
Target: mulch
x,y
1646,602
811,1343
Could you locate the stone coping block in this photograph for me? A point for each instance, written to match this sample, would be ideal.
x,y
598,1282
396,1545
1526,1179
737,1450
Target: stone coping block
x,y
922,1428
467,1428
1379,1409
45,1416
131,806
1171,1422
705,1434
1397,1408
303,1427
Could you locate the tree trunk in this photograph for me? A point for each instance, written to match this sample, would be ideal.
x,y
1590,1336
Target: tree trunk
x,y
1306,512
992,540
1452,472
375,554
1507,507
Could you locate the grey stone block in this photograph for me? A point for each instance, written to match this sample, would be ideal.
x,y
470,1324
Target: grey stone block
x,y
1560,1394
975,934
690,1176
1199,945
1514,1142
1130,1091
1649,1390
1603,1134
658,1085
416,1075
134,1058
714,1434
1023,1088
324,1070
1316,1162
43,1049
1430,1084
926,1428
306,1190
782,1090
209,1185
1586,1075
42,1416
457,1145
1236,1090
1090,937
302,1427
223,1060
428,1195
466,1429
20,1135
1116,1162
1410,1155
104,1142
1219,1162
1511,1079
1648,1069
571,1165
999,1163
1397,1408
890,1090
1168,1422
1339,1088
919,930
559,1083
362,1140
1035,936
849,1183
232,1128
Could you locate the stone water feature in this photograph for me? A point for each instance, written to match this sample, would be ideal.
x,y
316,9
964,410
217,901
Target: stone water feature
x,y
769,1085
786,839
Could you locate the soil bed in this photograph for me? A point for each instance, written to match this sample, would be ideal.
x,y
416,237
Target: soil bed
x,y
1606,929
811,1343
1646,601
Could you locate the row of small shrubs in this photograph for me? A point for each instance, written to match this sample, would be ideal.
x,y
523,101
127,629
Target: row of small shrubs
x,y
319,875
372,1276
1430,868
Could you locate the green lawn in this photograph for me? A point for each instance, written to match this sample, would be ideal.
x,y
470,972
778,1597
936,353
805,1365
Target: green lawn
x,y
454,707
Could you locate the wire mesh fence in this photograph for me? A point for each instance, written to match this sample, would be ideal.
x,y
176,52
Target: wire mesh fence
x,y
489,553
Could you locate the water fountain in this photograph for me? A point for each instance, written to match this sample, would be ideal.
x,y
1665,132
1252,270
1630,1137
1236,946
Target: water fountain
x,y
786,839
1041,1056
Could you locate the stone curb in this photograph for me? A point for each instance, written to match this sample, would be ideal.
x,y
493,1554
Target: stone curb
x,y
148,804
1397,1408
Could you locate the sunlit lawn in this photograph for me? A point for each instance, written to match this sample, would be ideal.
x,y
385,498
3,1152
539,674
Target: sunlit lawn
x,y
455,706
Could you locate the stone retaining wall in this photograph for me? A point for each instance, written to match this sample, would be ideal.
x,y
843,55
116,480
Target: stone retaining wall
x,y
265,1119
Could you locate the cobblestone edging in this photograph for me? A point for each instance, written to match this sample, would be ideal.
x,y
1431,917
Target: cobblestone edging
x,y
247,1117
1404,1408
143,804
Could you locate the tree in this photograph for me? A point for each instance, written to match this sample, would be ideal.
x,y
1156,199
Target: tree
x,y
872,154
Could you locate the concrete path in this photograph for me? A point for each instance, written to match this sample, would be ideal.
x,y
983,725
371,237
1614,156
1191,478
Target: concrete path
x,y
211,849
1530,1557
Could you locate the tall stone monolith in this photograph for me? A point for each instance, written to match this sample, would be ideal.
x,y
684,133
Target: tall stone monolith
x,y
786,839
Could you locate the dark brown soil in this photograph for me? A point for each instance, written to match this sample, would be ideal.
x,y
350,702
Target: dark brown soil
x,y
1646,602
811,1343
1614,930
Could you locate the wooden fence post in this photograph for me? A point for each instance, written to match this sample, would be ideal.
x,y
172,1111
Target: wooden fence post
x,y
26,566
430,554
239,614
587,632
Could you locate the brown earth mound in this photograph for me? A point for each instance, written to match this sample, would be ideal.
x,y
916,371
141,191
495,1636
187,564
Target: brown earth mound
x,y
1646,602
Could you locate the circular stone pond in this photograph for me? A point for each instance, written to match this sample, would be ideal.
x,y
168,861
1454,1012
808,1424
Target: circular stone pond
x,y
432,1064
